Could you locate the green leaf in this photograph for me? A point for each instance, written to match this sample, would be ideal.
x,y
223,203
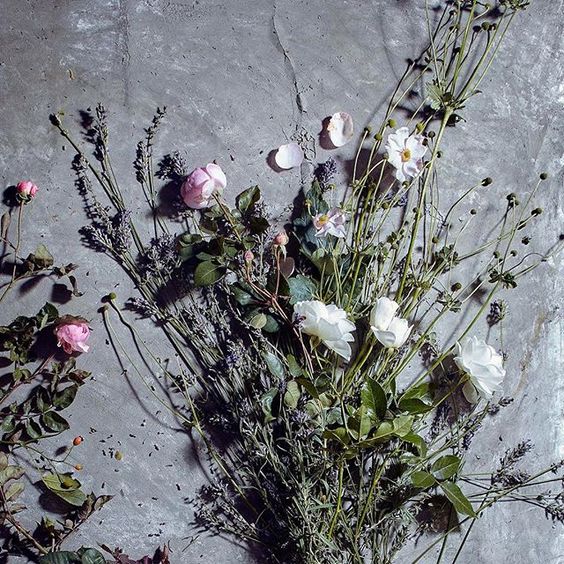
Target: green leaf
x,y
33,429
14,491
340,435
66,487
60,482
62,557
258,321
417,441
40,259
208,273
54,422
271,325
445,467
242,297
301,289
91,556
457,498
258,225
293,366
420,392
274,365
422,480
414,405
10,473
65,397
266,403
292,395
247,199
373,398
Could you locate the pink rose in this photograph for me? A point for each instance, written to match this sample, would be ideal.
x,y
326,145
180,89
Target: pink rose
x,y
72,334
26,189
201,184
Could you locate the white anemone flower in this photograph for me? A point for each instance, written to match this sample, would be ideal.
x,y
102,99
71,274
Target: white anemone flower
x,y
327,322
330,223
289,156
390,330
405,153
484,367
340,129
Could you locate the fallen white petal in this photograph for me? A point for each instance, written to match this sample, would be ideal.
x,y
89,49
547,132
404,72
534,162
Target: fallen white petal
x,y
340,128
289,156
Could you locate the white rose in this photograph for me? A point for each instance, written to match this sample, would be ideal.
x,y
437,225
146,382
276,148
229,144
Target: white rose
x,y
327,322
390,330
483,365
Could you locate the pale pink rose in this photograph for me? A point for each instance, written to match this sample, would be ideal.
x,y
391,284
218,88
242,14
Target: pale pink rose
x,y
201,185
281,239
72,334
27,189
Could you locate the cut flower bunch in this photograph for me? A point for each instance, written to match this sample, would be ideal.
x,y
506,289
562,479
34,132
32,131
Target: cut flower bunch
x,y
307,357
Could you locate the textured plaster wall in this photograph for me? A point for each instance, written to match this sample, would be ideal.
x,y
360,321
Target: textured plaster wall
x,y
240,77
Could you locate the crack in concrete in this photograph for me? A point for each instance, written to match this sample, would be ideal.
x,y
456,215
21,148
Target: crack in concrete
x,y
291,69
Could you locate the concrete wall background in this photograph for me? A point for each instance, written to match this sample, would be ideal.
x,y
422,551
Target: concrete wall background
x,y
230,72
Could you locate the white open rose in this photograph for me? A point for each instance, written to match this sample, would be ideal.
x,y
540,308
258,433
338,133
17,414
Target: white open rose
x,y
327,322
483,365
390,330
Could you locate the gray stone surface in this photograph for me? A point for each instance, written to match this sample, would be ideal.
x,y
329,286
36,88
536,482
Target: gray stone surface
x,y
231,73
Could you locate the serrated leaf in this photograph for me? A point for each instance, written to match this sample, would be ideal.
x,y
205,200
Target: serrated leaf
x,y
54,422
422,479
208,273
33,429
445,467
457,498
65,397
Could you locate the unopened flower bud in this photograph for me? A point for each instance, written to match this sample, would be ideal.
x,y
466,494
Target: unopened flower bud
x,y
378,137
281,239
456,287
26,190
487,181
536,211
543,175
392,122
473,211
249,257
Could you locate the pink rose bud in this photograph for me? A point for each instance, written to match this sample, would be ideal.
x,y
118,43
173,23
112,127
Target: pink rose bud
x,y
201,184
72,334
281,239
248,256
26,189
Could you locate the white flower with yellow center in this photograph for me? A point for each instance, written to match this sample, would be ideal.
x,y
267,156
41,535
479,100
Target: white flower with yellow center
x,y
405,153
330,223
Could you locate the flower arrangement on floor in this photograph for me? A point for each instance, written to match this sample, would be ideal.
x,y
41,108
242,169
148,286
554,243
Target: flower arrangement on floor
x,y
307,357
